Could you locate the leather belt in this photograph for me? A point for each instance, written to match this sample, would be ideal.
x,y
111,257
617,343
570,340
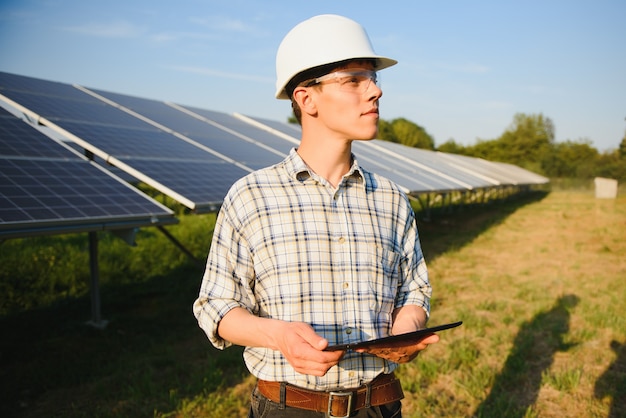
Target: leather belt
x,y
382,390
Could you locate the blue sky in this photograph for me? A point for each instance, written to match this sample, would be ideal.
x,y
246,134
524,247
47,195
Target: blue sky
x,y
465,67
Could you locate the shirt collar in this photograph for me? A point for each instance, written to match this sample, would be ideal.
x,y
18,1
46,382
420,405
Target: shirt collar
x,y
298,170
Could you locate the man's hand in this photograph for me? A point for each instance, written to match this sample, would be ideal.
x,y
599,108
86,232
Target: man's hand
x,y
298,342
406,319
401,352
303,349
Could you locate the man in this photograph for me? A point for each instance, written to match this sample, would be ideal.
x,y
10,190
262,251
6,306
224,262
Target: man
x,y
316,250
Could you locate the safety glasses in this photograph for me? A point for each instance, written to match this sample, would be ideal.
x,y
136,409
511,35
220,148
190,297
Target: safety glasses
x,y
356,81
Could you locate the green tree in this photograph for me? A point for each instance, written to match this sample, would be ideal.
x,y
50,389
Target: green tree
x,y
385,131
611,165
489,150
570,159
526,143
451,147
528,139
411,134
622,147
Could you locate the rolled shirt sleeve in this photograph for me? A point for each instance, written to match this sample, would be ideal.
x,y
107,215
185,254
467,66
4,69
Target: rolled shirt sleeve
x,y
227,280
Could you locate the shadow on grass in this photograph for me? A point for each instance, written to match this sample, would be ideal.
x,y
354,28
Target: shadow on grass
x,y
451,229
517,386
150,358
613,382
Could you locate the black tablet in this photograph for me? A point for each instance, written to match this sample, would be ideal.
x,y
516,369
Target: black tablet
x,y
401,338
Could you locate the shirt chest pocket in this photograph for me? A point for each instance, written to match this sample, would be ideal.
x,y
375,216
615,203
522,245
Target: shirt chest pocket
x,y
383,278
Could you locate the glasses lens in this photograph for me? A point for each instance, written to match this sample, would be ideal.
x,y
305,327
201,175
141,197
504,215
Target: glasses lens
x,y
356,81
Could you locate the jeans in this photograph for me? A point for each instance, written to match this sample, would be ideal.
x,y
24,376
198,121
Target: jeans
x,y
261,407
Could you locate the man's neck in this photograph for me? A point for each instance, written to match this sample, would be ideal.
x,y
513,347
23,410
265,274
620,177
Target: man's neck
x,y
328,158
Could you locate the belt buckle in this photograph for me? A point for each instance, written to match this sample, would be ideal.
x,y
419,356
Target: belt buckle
x,y
332,395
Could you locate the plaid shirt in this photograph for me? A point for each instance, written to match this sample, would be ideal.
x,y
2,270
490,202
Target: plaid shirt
x,y
287,245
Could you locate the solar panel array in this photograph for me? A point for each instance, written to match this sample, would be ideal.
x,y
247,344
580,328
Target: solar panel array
x,y
47,188
171,163
194,155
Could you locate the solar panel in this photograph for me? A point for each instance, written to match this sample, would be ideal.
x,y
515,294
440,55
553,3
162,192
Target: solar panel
x,y
427,160
520,175
144,142
18,139
68,107
46,188
275,142
290,129
220,132
129,142
505,174
193,180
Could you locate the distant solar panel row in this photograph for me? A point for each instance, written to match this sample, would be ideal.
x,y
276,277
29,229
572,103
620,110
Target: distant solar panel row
x,y
46,188
194,155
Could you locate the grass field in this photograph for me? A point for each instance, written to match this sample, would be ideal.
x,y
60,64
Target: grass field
x,y
540,283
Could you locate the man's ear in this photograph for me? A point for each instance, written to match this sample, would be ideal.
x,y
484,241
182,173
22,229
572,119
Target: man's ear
x,y
302,96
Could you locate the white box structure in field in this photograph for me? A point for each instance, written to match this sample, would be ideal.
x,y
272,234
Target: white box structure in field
x,y
605,188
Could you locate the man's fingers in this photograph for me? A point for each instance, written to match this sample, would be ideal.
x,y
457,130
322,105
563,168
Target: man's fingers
x,y
317,366
431,339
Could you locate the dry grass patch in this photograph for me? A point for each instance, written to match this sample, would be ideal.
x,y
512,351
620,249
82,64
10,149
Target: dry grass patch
x,y
543,296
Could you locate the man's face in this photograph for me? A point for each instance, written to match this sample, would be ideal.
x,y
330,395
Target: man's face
x,y
347,102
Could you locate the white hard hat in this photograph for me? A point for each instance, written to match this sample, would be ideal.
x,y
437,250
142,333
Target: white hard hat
x,y
321,40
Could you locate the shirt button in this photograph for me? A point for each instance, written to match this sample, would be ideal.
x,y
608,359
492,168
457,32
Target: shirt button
x,y
351,374
346,285
342,240
348,331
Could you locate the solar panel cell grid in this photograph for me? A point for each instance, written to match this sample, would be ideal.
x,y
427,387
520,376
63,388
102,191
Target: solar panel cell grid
x,y
87,109
274,141
21,83
20,139
240,147
202,182
144,143
49,190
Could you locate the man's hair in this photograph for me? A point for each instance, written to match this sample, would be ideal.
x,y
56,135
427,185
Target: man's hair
x,y
315,72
